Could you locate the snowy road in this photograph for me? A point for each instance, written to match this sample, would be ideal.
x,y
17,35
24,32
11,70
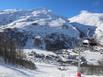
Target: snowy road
x,y
44,70
52,71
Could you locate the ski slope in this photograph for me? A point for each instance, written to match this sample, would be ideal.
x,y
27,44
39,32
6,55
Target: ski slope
x,y
43,70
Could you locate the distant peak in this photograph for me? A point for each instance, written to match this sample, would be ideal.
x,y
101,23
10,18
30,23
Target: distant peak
x,y
40,10
88,12
84,11
14,10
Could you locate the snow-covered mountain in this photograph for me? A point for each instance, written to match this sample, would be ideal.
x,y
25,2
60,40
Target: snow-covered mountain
x,y
50,28
39,30
44,24
42,20
93,21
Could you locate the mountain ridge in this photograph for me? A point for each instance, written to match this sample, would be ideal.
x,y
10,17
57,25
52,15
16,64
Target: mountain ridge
x,y
39,22
91,19
59,30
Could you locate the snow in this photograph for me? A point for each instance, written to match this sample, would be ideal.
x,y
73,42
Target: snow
x,y
10,72
43,70
47,70
86,41
46,22
72,53
37,37
52,71
92,57
57,22
90,19
38,51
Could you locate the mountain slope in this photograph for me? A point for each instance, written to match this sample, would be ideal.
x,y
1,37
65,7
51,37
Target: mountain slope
x,y
92,20
40,20
52,30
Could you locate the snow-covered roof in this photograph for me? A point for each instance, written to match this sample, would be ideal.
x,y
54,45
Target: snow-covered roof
x,y
38,51
85,41
37,37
